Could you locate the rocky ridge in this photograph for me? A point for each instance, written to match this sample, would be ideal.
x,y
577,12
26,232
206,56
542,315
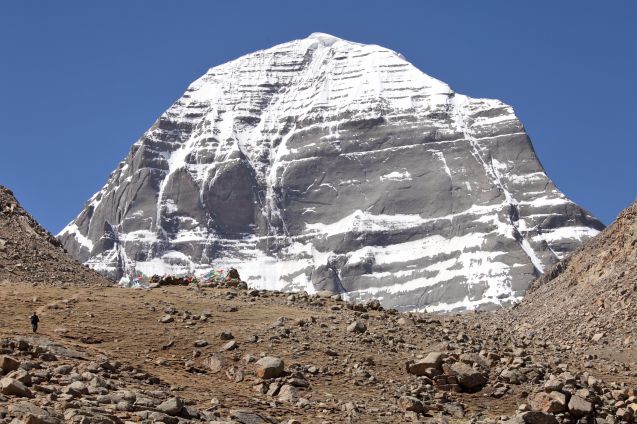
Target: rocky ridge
x,y
29,253
590,298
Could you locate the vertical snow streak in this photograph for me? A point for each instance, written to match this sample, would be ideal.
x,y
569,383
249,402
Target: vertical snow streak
x,y
459,104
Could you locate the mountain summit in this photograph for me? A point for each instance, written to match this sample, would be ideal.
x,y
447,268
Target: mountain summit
x,y
326,164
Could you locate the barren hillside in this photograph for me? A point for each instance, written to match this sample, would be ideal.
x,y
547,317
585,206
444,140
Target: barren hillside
x,y
29,253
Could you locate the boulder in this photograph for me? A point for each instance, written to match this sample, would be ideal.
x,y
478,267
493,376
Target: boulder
x,y
411,403
166,319
553,385
214,364
31,414
288,393
269,367
433,360
226,335
22,376
171,406
468,377
579,407
246,417
9,364
231,345
474,358
76,389
12,387
357,327
537,417
553,402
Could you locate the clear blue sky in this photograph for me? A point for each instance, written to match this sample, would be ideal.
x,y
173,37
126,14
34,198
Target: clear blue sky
x,y
80,81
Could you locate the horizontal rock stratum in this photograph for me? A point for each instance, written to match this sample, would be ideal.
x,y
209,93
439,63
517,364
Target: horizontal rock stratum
x,y
326,164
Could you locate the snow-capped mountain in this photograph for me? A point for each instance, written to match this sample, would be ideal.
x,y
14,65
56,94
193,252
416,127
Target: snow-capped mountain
x,y
327,164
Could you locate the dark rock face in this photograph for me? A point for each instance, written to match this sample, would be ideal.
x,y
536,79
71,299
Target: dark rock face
x,y
322,164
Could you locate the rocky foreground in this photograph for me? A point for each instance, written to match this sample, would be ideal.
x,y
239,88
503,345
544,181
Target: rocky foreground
x,y
247,356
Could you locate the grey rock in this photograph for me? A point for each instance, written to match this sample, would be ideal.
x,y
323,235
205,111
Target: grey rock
x,y
31,414
512,376
226,335
597,337
125,406
454,409
146,401
537,417
77,388
98,381
357,326
246,417
429,366
166,319
190,412
214,364
579,407
552,385
288,393
231,345
201,343
162,417
410,403
474,359
433,359
468,377
171,406
63,369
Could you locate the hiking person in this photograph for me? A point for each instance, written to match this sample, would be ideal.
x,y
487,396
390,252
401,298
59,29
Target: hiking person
x,y
34,322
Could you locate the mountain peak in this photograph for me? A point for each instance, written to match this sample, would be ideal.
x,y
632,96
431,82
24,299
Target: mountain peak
x,y
343,168
323,38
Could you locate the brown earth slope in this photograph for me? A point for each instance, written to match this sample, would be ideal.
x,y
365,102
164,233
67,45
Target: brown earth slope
x,y
590,298
334,372
29,253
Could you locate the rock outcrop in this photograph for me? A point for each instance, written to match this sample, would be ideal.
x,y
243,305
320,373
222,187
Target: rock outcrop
x,y
323,164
